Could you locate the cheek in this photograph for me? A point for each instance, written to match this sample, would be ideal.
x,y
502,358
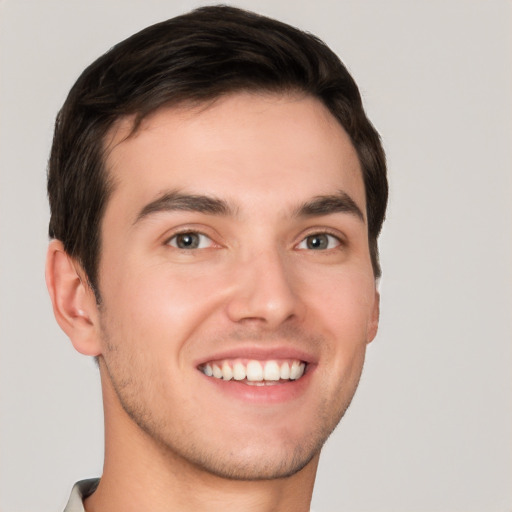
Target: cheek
x,y
157,306
343,305
345,302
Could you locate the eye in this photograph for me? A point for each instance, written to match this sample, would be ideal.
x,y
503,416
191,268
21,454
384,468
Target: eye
x,y
319,242
190,240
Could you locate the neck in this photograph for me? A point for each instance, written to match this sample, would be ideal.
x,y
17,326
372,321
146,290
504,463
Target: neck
x,y
140,474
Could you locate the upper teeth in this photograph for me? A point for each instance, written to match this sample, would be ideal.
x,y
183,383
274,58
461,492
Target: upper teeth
x,y
254,371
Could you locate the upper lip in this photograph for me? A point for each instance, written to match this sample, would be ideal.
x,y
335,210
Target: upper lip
x,y
259,354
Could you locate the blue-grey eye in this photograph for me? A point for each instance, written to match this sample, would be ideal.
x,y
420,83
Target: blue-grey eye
x,y
319,242
190,240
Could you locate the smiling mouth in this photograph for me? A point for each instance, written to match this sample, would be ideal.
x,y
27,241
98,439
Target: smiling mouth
x,y
254,372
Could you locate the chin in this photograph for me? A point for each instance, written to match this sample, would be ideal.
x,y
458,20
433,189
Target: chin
x,y
262,466
252,456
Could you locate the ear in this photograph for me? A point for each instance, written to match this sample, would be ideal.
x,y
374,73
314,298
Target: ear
x,y
373,324
74,303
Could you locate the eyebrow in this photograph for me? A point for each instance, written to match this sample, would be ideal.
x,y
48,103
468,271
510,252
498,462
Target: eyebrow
x,y
176,201
325,205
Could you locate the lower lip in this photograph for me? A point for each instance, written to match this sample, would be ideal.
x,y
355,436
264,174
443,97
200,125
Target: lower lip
x,y
266,394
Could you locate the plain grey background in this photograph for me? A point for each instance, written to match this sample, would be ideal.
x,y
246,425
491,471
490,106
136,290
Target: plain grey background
x,y
430,428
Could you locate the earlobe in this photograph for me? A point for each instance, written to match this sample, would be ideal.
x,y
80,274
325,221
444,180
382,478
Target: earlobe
x,y
74,303
373,324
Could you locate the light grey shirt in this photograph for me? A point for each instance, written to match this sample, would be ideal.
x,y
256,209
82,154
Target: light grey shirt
x,y
79,492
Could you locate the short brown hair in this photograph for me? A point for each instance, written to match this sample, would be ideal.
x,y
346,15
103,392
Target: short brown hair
x,y
199,56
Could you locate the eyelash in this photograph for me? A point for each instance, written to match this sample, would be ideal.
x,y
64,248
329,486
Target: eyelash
x,y
191,233
336,237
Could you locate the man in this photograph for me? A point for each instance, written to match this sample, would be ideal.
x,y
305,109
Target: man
x,y
216,196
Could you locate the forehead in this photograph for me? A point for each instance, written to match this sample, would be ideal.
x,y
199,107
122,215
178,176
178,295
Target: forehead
x,y
237,146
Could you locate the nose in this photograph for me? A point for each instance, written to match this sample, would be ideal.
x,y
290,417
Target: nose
x,y
265,291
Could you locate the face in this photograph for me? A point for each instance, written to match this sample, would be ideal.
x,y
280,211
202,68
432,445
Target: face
x,y
237,288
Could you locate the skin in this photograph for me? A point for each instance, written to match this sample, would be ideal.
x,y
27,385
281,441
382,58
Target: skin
x,y
255,287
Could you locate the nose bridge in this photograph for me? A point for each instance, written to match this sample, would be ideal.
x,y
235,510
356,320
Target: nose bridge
x,y
265,288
